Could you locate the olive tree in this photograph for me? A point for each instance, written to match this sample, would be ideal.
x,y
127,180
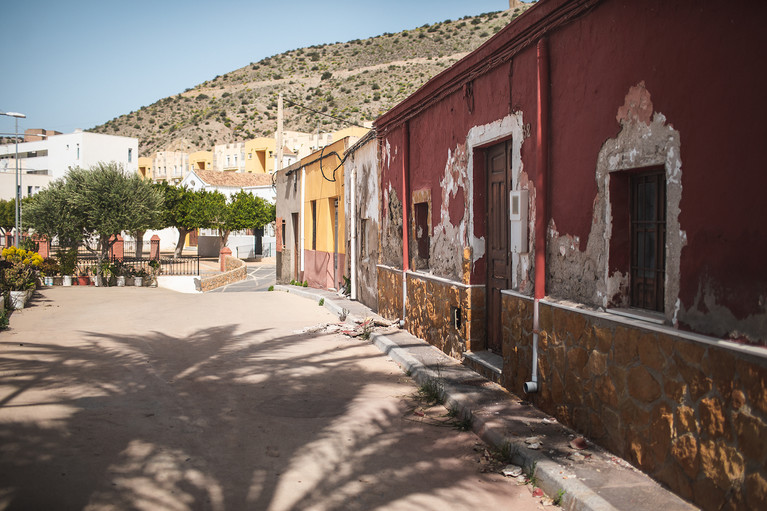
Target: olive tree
x,y
95,205
243,211
188,210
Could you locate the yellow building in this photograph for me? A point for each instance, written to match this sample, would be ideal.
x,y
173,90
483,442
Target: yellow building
x,y
145,167
259,155
323,214
353,131
201,160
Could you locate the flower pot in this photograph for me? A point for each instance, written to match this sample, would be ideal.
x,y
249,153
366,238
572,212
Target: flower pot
x,y
83,280
120,281
48,281
138,281
18,299
66,280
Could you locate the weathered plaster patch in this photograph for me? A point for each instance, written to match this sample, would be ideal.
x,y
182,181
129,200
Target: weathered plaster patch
x,y
449,238
645,140
707,315
391,238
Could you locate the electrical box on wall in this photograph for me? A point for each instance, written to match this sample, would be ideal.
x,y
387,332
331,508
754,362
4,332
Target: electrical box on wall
x,y
518,206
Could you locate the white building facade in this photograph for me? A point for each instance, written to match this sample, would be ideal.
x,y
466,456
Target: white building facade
x,y
43,161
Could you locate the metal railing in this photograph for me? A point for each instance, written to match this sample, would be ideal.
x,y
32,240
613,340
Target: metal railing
x,y
87,260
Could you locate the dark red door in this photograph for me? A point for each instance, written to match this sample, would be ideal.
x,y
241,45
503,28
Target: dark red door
x,y
497,163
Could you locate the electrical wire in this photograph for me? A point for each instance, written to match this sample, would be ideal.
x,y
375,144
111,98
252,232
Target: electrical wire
x,y
293,103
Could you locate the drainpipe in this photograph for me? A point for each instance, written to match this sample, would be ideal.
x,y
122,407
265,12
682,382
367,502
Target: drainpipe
x,y
541,200
353,247
405,202
302,220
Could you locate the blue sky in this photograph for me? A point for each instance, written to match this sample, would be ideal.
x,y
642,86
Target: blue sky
x,y
77,64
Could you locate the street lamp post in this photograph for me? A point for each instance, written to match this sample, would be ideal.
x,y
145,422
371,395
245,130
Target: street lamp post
x,y
16,115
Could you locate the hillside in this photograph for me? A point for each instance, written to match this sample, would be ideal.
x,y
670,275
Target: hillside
x,y
354,81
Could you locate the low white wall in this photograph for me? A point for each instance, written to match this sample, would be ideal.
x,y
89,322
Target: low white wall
x,y
242,247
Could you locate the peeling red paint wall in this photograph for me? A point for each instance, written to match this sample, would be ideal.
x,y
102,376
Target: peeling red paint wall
x,y
699,61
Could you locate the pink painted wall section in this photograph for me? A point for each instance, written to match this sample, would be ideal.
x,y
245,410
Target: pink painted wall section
x,y
318,269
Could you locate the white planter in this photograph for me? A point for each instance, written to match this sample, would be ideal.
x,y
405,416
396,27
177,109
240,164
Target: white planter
x,y
138,281
18,299
48,281
66,280
120,281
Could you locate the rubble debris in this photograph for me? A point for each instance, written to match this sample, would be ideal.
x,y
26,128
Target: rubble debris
x,y
512,470
579,443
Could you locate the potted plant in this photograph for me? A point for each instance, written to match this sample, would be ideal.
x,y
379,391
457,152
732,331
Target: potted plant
x,y
138,277
119,272
154,271
68,264
83,275
49,270
20,274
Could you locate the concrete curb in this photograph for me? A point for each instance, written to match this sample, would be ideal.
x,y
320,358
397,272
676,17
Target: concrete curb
x,y
577,496
342,313
423,363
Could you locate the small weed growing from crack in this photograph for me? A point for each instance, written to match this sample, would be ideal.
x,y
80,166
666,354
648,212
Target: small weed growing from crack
x,y
507,452
464,424
271,288
431,391
321,302
452,412
367,329
558,499
530,474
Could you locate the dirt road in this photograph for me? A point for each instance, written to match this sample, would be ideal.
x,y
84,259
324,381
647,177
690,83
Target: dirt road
x,y
138,398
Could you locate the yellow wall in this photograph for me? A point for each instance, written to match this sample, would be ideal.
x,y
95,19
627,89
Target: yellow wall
x,y
145,167
323,191
201,160
352,131
259,155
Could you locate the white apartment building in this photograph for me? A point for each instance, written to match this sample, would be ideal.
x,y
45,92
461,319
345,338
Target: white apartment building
x,y
42,161
229,157
170,166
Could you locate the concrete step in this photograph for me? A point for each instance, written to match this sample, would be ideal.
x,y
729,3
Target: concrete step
x,y
486,363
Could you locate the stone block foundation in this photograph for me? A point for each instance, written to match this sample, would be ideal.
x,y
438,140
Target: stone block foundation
x,y
691,411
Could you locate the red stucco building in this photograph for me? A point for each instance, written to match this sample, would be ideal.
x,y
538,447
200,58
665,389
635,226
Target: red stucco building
x,y
582,196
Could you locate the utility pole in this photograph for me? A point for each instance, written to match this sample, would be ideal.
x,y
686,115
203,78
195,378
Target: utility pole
x,y
278,137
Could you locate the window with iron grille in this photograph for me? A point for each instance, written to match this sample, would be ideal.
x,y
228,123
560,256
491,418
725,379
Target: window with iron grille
x,y
648,239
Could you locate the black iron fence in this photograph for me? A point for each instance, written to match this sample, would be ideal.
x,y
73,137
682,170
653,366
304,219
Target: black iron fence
x,y
87,263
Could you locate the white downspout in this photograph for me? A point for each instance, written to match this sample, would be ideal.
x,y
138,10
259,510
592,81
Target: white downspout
x,y
353,247
532,385
301,227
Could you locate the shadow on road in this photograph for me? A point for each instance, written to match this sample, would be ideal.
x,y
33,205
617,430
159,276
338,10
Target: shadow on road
x,y
220,419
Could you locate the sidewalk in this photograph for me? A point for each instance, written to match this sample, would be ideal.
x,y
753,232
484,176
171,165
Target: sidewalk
x,y
589,479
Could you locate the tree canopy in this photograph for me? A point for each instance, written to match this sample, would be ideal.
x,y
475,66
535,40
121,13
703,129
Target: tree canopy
x,y
96,205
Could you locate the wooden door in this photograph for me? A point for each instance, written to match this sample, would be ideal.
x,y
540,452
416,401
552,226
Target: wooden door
x,y
498,166
296,247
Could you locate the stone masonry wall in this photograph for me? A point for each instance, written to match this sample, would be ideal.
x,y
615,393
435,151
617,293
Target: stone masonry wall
x,y
691,414
429,314
389,292
235,272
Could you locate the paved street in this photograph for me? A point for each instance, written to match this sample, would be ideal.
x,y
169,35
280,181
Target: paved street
x,y
139,398
260,277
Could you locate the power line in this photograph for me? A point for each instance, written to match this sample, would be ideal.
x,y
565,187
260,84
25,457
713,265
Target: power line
x,y
293,103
